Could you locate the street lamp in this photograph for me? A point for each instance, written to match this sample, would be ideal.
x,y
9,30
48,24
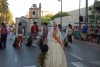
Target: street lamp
x,y
61,16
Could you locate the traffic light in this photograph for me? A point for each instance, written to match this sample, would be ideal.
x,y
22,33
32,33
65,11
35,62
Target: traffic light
x,y
81,18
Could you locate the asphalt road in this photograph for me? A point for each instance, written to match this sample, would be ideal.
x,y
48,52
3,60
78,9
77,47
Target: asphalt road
x,y
80,55
77,56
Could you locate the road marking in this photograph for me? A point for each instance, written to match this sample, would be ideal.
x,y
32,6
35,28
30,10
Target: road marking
x,y
96,62
79,64
31,66
75,56
16,59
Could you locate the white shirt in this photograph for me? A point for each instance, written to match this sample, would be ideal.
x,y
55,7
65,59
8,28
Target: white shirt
x,y
69,31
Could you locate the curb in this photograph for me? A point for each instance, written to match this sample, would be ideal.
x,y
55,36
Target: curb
x,y
88,44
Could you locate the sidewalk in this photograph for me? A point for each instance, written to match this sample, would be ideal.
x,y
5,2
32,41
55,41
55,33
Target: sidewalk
x,y
87,43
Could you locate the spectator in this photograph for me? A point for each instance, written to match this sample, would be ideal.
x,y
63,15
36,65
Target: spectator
x,y
84,32
69,34
59,27
91,33
4,33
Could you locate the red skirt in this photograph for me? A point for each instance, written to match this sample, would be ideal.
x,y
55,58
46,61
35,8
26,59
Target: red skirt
x,y
20,39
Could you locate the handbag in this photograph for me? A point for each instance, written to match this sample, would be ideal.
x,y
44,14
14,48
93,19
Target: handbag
x,y
43,46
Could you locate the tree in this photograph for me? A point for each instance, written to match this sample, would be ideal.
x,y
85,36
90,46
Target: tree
x,y
59,15
92,16
9,18
4,9
5,13
46,18
92,10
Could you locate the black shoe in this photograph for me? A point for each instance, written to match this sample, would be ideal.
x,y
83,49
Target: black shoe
x,y
34,46
69,46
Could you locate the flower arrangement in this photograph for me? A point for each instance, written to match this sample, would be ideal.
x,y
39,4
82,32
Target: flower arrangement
x,y
41,59
44,48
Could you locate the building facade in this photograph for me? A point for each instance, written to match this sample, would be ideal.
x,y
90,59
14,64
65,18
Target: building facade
x,y
73,18
34,15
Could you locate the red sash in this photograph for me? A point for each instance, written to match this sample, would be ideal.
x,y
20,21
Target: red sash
x,y
57,39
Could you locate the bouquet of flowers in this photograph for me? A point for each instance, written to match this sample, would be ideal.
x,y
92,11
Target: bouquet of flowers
x,y
41,58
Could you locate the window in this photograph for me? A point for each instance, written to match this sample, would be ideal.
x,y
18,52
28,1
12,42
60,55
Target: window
x,y
33,12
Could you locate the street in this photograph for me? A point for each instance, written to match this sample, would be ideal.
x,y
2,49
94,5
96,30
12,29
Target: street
x,y
77,56
82,56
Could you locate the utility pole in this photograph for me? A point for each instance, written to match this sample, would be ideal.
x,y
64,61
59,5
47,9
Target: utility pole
x,y
79,16
40,13
95,15
42,16
96,0
86,16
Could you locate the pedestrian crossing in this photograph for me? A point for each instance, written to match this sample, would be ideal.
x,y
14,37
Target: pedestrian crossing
x,y
31,66
76,64
96,62
80,64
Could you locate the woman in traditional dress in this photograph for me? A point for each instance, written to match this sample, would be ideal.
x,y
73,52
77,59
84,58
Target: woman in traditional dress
x,y
55,56
20,34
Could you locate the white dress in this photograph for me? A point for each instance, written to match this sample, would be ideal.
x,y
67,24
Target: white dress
x,y
55,56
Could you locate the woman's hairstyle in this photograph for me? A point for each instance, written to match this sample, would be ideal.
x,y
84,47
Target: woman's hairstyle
x,y
69,25
35,22
3,24
45,24
59,26
19,24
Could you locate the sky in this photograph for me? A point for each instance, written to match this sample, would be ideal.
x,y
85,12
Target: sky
x,y
21,7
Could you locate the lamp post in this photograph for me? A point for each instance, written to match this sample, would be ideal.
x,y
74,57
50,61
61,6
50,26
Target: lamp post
x,y
61,16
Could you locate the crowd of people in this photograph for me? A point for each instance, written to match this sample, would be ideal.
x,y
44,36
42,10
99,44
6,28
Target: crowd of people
x,y
51,37
50,41
91,33
94,34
